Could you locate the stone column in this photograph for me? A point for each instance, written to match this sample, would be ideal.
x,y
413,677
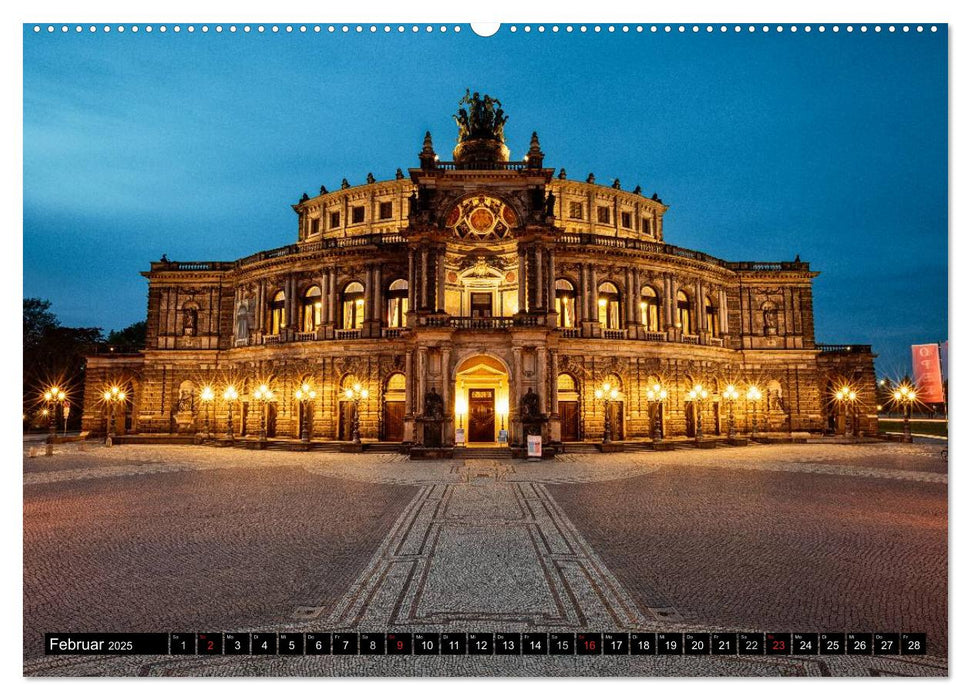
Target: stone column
x,y
537,279
522,277
582,307
449,437
422,366
412,283
440,280
261,308
554,376
515,393
670,301
409,389
702,321
541,378
377,292
332,298
423,302
368,293
409,422
594,312
723,311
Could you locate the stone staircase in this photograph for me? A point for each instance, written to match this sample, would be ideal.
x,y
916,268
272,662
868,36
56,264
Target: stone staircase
x,y
482,453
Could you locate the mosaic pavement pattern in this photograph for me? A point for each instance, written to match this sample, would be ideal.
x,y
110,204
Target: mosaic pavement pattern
x,y
485,546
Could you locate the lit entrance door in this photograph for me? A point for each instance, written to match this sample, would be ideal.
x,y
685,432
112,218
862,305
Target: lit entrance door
x,y
569,421
482,415
394,421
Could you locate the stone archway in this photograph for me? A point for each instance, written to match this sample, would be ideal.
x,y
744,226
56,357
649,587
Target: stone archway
x,y
482,394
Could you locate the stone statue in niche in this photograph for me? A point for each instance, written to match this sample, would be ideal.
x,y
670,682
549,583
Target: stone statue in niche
x,y
190,318
434,405
770,319
529,405
185,403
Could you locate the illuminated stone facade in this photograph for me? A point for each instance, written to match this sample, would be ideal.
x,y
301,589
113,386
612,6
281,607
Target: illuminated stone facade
x,y
471,284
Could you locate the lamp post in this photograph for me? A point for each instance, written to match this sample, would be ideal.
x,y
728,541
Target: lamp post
x,y
461,409
905,394
262,394
305,394
53,396
355,394
230,396
207,396
752,395
698,395
845,396
502,408
731,396
606,393
112,396
655,396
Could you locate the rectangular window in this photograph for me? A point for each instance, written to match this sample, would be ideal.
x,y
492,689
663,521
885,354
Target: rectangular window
x,y
603,215
357,215
335,219
646,224
625,219
384,210
576,210
315,225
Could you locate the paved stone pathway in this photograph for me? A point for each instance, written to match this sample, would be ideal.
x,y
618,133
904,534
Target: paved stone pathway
x,y
483,546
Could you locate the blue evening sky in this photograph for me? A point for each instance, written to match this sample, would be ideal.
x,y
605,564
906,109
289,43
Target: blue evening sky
x,y
830,146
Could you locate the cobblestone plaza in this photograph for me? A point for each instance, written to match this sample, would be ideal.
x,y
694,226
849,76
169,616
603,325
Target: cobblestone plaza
x,y
765,538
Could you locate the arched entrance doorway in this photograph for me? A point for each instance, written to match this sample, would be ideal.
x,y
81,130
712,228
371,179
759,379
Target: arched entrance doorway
x,y
394,408
481,399
568,404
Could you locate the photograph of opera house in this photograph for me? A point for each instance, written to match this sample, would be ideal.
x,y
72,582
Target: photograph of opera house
x,y
477,299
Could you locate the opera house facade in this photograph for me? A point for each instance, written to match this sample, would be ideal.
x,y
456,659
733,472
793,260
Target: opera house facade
x,y
476,300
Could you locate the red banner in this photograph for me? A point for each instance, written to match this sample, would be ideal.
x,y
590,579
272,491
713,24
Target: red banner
x,y
927,373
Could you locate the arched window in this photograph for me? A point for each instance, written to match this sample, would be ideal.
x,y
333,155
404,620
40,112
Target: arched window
x,y
650,309
395,388
686,317
608,306
310,310
397,304
711,317
352,305
278,313
566,304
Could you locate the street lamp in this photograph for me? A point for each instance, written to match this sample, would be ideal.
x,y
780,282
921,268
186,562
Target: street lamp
x,y
207,396
355,394
753,395
655,396
698,395
262,394
53,396
502,408
112,396
230,396
606,393
905,394
846,396
731,396
461,409
305,394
